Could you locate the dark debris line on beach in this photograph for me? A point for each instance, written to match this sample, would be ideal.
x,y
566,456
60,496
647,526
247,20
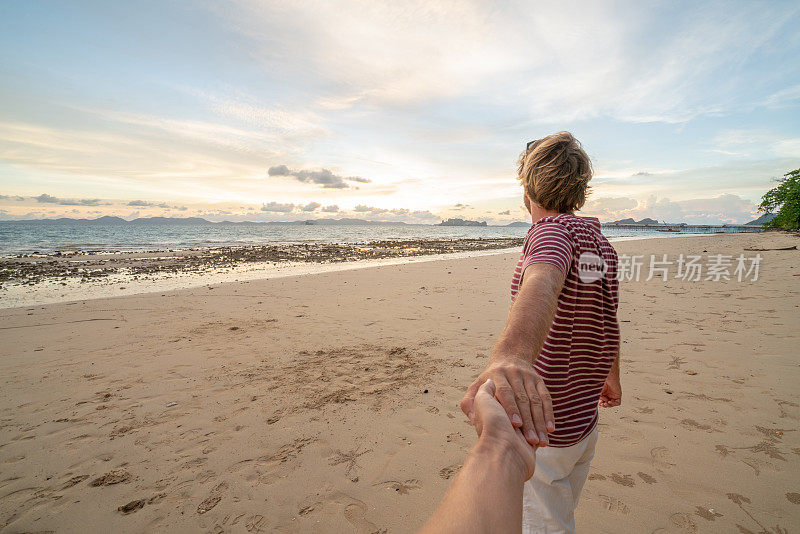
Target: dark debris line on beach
x,y
30,270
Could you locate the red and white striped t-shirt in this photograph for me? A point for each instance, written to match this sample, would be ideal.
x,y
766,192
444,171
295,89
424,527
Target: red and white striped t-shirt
x,y
584,338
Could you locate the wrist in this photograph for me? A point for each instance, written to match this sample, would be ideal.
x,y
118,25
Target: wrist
x,y
502,355
501,455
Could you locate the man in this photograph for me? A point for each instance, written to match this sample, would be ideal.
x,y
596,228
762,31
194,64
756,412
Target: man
x,y
557,358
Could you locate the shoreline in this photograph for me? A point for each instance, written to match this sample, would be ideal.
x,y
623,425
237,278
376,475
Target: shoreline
x,y
50,280
169,270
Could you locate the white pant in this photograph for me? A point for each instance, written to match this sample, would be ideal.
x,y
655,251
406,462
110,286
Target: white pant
x,y
551,495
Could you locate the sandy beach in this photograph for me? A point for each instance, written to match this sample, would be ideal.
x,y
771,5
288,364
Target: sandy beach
x,y
329,402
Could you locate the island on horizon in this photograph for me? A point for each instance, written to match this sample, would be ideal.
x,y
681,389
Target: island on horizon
x,y
461,222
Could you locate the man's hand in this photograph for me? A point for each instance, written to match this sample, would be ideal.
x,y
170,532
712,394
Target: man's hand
x,y
523,395
611,395
493,427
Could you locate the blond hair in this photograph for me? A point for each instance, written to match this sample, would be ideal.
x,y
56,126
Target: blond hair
x,y
555,172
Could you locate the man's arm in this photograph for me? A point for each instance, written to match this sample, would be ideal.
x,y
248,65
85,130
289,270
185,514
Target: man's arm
x,y
611,395
520,389
486,495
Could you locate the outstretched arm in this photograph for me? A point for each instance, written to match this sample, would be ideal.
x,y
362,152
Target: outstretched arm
x,y
486,495
520,389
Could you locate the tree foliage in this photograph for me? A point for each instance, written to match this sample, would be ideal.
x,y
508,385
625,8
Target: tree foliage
x,y
784,201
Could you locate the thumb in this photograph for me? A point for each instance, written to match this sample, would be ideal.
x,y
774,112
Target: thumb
x,y
467,403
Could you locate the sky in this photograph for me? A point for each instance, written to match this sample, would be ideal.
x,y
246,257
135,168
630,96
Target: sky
x,y
406,111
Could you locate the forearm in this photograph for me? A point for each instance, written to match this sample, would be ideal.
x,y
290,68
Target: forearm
x,y
614,372
531,315
486,495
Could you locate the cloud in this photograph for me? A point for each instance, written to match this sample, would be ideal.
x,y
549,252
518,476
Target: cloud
x,y
721,209
333,208
164,205
459,207
323,177
396,214
783,98
756,142
507,212
274,207
642,173
44,198
311,206
408,55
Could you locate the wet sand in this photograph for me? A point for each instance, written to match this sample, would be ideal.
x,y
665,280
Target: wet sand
x,y
31,269
328,403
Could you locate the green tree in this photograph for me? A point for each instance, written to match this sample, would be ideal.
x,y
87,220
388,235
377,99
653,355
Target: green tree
x,y
784,201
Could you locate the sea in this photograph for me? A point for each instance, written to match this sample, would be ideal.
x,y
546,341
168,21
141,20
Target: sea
x,y
49,237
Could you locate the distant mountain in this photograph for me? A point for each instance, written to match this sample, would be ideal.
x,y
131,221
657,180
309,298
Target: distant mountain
x,y
518,224
632,221
67,220
348,222
461,222
169,220
196,221
764,219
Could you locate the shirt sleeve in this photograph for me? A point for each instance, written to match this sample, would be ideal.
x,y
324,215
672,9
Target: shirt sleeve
x,y
550,242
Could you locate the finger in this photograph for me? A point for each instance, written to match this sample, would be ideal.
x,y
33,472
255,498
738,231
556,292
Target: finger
x,y
547,405
468,402
522,399
537,414
485,395
505,395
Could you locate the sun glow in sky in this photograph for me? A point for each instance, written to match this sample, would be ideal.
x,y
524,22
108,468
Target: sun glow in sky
x,y
408,111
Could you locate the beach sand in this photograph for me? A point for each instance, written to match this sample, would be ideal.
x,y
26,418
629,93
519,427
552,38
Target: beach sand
x,y
329,403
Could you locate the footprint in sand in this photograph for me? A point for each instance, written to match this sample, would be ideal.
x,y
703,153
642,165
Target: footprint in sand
x,y
683,522
116,476
256,523
647,478
793,498
676,362
612,504
131,507
208,504
691,424
213,499
73,481
355,513
662,459
623,480
449,471
205,476
709,514
403,487
349,459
